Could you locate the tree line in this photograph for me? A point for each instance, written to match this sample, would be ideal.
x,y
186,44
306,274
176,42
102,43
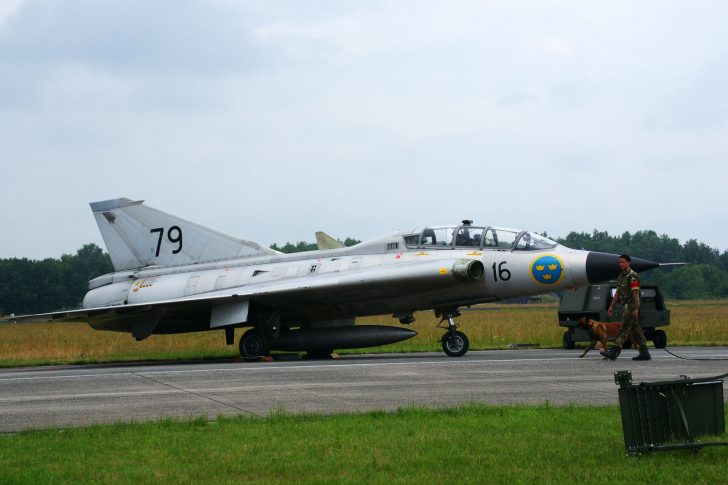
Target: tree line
x,y
301,246
36,286
708,279
39,286
31,286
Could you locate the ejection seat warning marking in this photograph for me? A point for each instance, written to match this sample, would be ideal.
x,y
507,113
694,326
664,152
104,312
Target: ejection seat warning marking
x,y
443,270
474,253
422,253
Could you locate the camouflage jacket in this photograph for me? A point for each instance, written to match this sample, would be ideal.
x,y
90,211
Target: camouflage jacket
x,y
627,282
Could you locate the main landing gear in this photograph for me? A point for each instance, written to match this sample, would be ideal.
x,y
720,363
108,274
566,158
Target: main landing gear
x,y
254,344
454,343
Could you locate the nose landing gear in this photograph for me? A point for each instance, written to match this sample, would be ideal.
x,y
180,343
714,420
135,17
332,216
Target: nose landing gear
x,y
454,342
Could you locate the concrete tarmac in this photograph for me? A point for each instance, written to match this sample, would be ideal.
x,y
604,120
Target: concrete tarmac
x,y
70,396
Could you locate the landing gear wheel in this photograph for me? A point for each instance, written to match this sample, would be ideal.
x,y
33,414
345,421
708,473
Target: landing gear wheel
x,y
253,345
568,341
455,344
659,339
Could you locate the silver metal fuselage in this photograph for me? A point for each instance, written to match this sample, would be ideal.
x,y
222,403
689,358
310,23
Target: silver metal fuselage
x,y
366,279
174,275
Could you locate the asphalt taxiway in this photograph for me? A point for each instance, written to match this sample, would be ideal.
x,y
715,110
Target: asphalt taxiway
x,y
69,396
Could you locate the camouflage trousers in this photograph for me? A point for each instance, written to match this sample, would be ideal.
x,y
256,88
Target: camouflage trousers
x,y
631,327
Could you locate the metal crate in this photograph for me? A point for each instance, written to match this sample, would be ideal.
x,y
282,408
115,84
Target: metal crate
x,y
670,415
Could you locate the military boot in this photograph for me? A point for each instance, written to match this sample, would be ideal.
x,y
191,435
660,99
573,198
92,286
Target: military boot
x,y
644,354
612,353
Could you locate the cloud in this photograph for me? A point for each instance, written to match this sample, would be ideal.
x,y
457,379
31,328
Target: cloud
x,y
8,8
273,120
189,37
115,55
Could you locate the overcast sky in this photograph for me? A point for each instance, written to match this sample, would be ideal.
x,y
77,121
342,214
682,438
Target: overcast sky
x,y
271,120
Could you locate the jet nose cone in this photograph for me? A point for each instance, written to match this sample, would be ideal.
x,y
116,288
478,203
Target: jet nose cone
x,y
602,267
641,265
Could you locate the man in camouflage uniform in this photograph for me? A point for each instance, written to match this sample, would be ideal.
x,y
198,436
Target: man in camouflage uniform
x,y
628,295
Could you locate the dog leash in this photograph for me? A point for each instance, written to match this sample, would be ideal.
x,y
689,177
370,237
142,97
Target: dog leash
x,y
695,358
722,376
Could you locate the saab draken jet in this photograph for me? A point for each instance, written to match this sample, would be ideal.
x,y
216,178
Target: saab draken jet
x,y
175,276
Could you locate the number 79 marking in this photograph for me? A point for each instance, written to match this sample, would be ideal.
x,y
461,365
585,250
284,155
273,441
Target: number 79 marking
x,y
174,239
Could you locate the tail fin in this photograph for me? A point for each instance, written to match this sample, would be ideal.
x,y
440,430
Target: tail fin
x,y
324,241
137,235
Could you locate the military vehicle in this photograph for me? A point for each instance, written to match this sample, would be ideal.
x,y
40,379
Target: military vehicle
x,y
173,276
593,301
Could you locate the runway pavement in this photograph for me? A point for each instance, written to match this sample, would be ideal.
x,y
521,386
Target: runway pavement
x,y
82,395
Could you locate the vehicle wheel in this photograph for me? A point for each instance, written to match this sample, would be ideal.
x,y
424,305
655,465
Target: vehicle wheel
x,y
568,341
253,345
455,345
660,339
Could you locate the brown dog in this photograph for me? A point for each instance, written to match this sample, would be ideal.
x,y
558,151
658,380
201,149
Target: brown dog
x,y
601,332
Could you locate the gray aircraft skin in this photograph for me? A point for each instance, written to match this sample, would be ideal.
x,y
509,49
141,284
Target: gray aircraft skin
x,y
175,276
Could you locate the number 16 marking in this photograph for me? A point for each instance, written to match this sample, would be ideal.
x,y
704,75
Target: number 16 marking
x,y
502,272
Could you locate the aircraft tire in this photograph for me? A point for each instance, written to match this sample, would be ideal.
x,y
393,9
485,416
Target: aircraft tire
x,y
568,341
455,345
254,345
659,339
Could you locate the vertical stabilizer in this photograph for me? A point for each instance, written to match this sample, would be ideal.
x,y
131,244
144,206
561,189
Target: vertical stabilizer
x,y
137,235
324,241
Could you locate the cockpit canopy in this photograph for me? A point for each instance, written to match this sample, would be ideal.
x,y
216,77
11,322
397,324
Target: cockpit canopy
x,y
479,237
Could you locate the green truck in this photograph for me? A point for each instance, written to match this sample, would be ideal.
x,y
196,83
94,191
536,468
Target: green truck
x,y
593,302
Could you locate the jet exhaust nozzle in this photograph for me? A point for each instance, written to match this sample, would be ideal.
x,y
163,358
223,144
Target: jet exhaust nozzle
x,y
468,270
601,267
349,337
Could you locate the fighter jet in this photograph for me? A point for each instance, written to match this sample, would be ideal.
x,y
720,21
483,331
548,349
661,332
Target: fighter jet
x,y
173,276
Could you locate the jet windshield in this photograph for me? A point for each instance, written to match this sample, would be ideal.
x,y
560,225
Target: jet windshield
x,y
498,238
530,241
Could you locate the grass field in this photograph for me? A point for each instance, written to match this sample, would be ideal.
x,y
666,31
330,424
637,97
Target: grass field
x,y
693,323
471,444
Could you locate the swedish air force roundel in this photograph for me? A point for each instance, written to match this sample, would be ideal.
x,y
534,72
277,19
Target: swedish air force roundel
x,y
547,269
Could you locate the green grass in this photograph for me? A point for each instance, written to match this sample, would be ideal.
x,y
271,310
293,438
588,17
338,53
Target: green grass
x,y
693,323
470,444
185,355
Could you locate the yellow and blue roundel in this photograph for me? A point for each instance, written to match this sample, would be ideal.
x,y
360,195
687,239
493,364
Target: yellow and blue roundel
x,y
547,270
